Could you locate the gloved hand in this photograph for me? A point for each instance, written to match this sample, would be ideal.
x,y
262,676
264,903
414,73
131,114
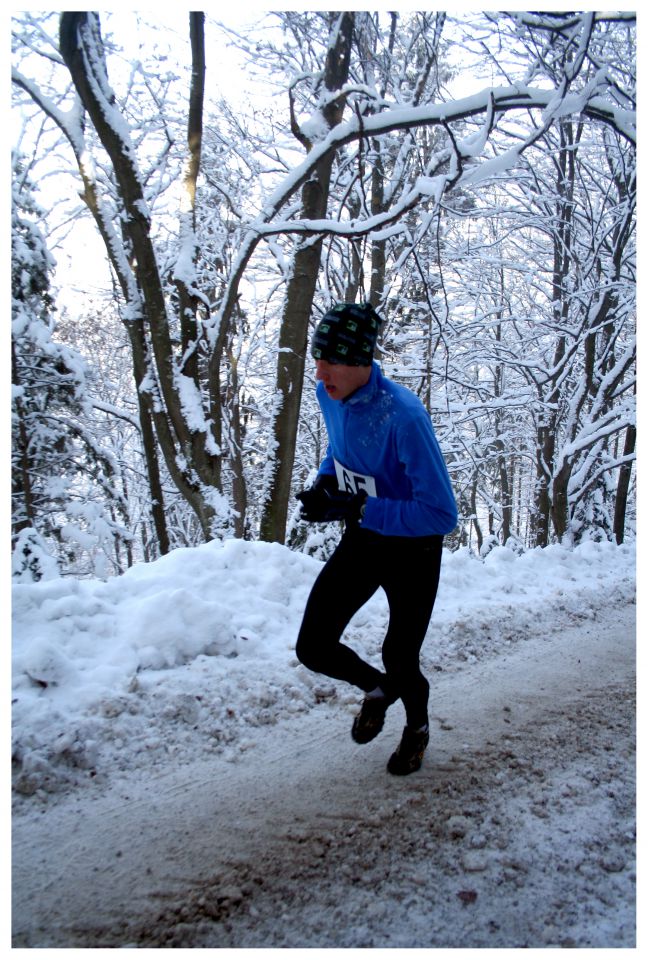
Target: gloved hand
x,y
323,502
314,499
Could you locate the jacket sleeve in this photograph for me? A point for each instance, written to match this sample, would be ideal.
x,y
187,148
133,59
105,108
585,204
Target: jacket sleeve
x,y
327,466
430,507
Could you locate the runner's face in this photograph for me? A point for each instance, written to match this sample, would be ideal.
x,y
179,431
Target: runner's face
x,y
339,379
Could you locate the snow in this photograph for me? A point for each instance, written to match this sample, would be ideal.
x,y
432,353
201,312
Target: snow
x,y
191,403
190,660
217,624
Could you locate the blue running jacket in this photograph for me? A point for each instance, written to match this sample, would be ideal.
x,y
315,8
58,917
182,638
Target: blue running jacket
x,y
381,439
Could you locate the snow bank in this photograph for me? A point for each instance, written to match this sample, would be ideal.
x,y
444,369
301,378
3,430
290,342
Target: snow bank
x,y
196,651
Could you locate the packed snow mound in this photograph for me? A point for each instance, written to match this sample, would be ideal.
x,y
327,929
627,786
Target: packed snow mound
x,y
196,650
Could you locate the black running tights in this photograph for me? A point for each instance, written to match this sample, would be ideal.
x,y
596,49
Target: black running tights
x,y
407,568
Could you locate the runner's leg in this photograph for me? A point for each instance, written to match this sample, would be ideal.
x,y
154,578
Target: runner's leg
x,y
344,585
410,580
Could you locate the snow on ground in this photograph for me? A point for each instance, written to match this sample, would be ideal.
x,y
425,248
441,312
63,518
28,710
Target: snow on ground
x,y
195,651
180,780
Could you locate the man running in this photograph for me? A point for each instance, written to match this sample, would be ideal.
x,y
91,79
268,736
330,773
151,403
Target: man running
x,y
385,476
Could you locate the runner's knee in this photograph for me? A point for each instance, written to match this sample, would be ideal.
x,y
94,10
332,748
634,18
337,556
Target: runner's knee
x,y
308,653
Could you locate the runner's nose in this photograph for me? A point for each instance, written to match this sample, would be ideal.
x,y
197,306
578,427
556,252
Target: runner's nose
x,y
321,370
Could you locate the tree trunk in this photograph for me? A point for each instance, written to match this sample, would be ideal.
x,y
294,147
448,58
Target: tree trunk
x,y
562,258
473,511
158,514
560,513
506,495
194,469
21,486
506,504
541,511
293,336
235,444
378,247
621,501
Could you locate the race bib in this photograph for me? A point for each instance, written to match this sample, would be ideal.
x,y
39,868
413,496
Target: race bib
x,y
351,482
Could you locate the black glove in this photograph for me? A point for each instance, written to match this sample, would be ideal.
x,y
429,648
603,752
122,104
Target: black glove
x,y
323,502
314,500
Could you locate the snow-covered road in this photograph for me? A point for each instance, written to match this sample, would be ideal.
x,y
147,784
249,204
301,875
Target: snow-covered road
x,y
517,832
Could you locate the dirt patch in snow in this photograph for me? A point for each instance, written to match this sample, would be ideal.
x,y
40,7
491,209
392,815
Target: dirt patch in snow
x,y
517,832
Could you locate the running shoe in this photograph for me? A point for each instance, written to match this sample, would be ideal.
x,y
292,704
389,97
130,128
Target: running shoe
x,y
408,757
371,718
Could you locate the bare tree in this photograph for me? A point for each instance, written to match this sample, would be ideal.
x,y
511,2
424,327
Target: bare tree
x,y
368,137
301,289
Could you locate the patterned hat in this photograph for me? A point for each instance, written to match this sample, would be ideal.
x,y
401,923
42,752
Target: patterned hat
x,y
347,334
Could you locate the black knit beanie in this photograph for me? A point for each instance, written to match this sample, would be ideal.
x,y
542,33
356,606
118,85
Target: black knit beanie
x,y
347,334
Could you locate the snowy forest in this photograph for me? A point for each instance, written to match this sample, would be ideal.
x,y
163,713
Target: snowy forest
x,y
473,176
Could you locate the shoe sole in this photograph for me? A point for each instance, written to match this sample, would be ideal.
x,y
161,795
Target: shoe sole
x,y
404,772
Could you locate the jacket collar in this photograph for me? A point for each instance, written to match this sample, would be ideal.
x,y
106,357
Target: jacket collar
x,y
366,393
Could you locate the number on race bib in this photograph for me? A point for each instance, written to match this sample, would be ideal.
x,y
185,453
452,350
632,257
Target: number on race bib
x,y
351,482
